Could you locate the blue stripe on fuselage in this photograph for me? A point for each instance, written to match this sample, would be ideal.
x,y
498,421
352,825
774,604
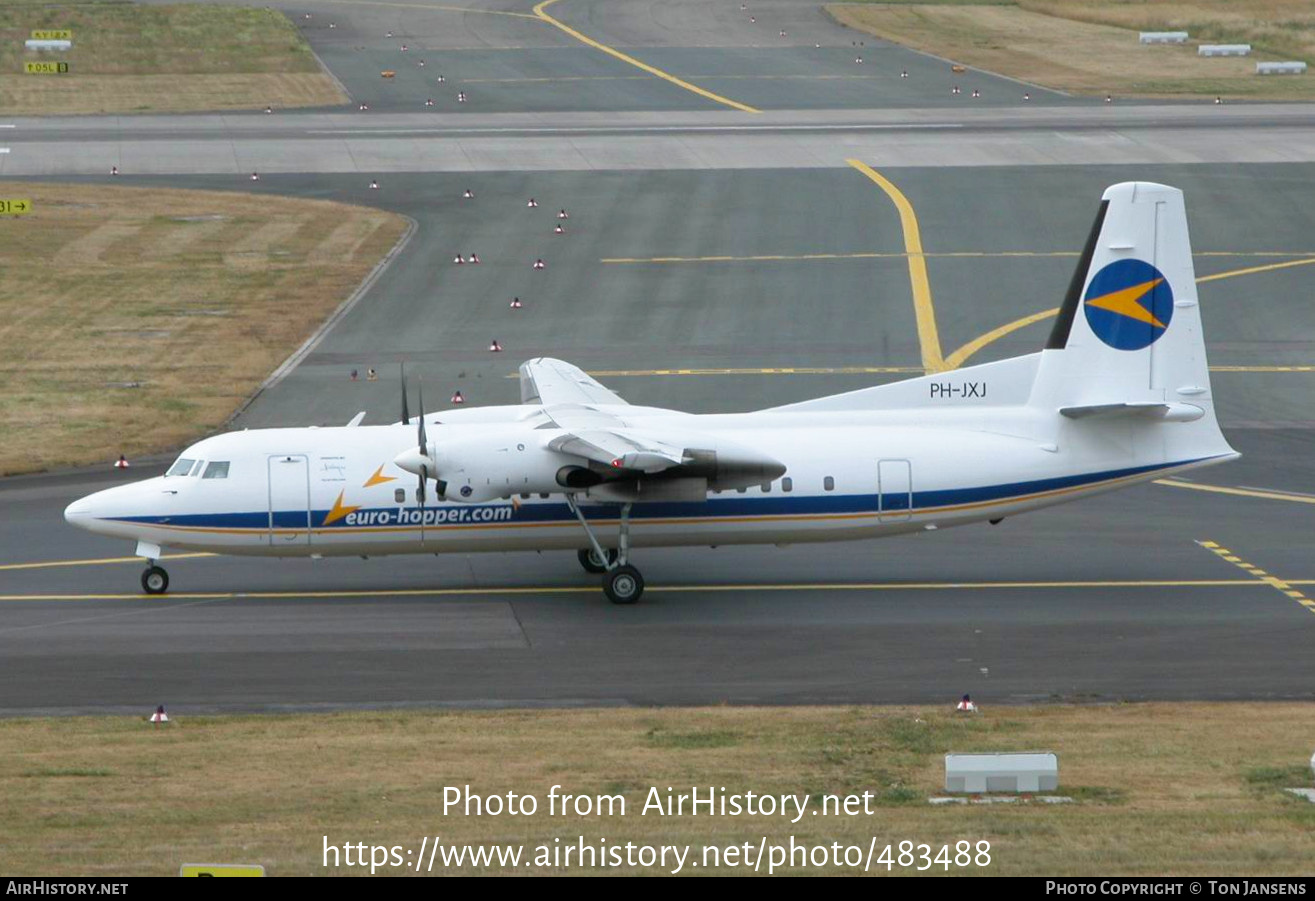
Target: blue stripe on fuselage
x,y
719,505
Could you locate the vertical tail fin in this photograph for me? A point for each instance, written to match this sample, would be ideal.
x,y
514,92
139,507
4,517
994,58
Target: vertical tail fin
x,y
1128,338
1130,326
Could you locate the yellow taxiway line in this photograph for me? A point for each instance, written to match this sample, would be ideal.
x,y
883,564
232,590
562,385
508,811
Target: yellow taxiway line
x,y
1261,577
46,564
928,338
1240,492
651,70
656,589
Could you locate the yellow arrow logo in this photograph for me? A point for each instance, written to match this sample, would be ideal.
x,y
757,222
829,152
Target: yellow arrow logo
x,y
1124,302
339,510
379,478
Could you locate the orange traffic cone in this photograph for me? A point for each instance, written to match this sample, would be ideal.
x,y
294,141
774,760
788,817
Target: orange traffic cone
x,y
474,258
457,398
159,716
559,230
495,347
469,194
539,264
562,215
515,303
459,259
532,202
121,463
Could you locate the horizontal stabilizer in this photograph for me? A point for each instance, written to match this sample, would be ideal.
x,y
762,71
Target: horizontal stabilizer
x,y
1170,412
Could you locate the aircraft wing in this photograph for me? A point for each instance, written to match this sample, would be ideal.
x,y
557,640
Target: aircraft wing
x,y
551,382
604,438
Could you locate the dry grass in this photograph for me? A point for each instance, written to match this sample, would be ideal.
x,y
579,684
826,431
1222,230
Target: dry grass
x,y
136,319
128,58
1090,46
1160,788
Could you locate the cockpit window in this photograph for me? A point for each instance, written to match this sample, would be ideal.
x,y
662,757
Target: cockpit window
x,y
181,467
196,470
218,469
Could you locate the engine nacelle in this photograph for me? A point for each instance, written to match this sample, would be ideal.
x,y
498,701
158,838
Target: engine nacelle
x,y
490,465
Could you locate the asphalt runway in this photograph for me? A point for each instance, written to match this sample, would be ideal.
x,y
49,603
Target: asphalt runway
x,y
1127,596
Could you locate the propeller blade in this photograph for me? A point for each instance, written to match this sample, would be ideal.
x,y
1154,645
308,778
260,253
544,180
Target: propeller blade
x,y
423,442
421,435
406,413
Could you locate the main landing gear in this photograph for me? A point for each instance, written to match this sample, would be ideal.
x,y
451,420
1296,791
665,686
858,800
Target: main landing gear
x,y
622,583
592,563
155,580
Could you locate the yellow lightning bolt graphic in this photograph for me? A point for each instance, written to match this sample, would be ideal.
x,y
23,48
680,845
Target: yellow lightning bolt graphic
x,y
379,478
1124,302
339,510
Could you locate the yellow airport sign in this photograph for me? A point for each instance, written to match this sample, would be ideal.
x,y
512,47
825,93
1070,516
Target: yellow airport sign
x,y
45,68
14,207
53,34
221,869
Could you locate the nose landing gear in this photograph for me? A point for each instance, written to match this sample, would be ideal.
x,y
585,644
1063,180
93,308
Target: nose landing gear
x,y
155,580
622,583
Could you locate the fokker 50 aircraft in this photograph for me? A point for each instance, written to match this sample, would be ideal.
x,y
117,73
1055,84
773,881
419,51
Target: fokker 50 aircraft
x,y
1119,395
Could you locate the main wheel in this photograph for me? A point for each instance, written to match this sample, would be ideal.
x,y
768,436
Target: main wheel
x,y
589,560
623,585
155,580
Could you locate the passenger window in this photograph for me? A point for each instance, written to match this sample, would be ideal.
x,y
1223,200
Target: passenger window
x,y
787,484
218,469
741,490
399,495
181,468
767,487
829,483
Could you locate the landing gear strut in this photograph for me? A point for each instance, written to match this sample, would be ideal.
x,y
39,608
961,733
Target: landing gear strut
x,y
622,583
155,580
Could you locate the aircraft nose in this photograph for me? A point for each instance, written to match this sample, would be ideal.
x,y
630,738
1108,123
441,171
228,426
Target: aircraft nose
x,y
79,511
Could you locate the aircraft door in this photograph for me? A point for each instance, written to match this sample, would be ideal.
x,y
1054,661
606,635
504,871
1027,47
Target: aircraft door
x,y
894,490
289,500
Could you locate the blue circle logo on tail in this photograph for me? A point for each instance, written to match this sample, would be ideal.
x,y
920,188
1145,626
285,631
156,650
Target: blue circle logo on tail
x,y
1129,304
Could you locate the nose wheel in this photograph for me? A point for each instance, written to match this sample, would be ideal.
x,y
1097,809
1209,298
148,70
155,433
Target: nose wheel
x,y
622,583
155,580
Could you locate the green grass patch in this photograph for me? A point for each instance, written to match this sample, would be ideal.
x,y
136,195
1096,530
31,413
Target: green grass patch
x,y
133,58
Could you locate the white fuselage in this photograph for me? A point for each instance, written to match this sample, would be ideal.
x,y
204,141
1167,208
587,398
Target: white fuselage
x,y
335,491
